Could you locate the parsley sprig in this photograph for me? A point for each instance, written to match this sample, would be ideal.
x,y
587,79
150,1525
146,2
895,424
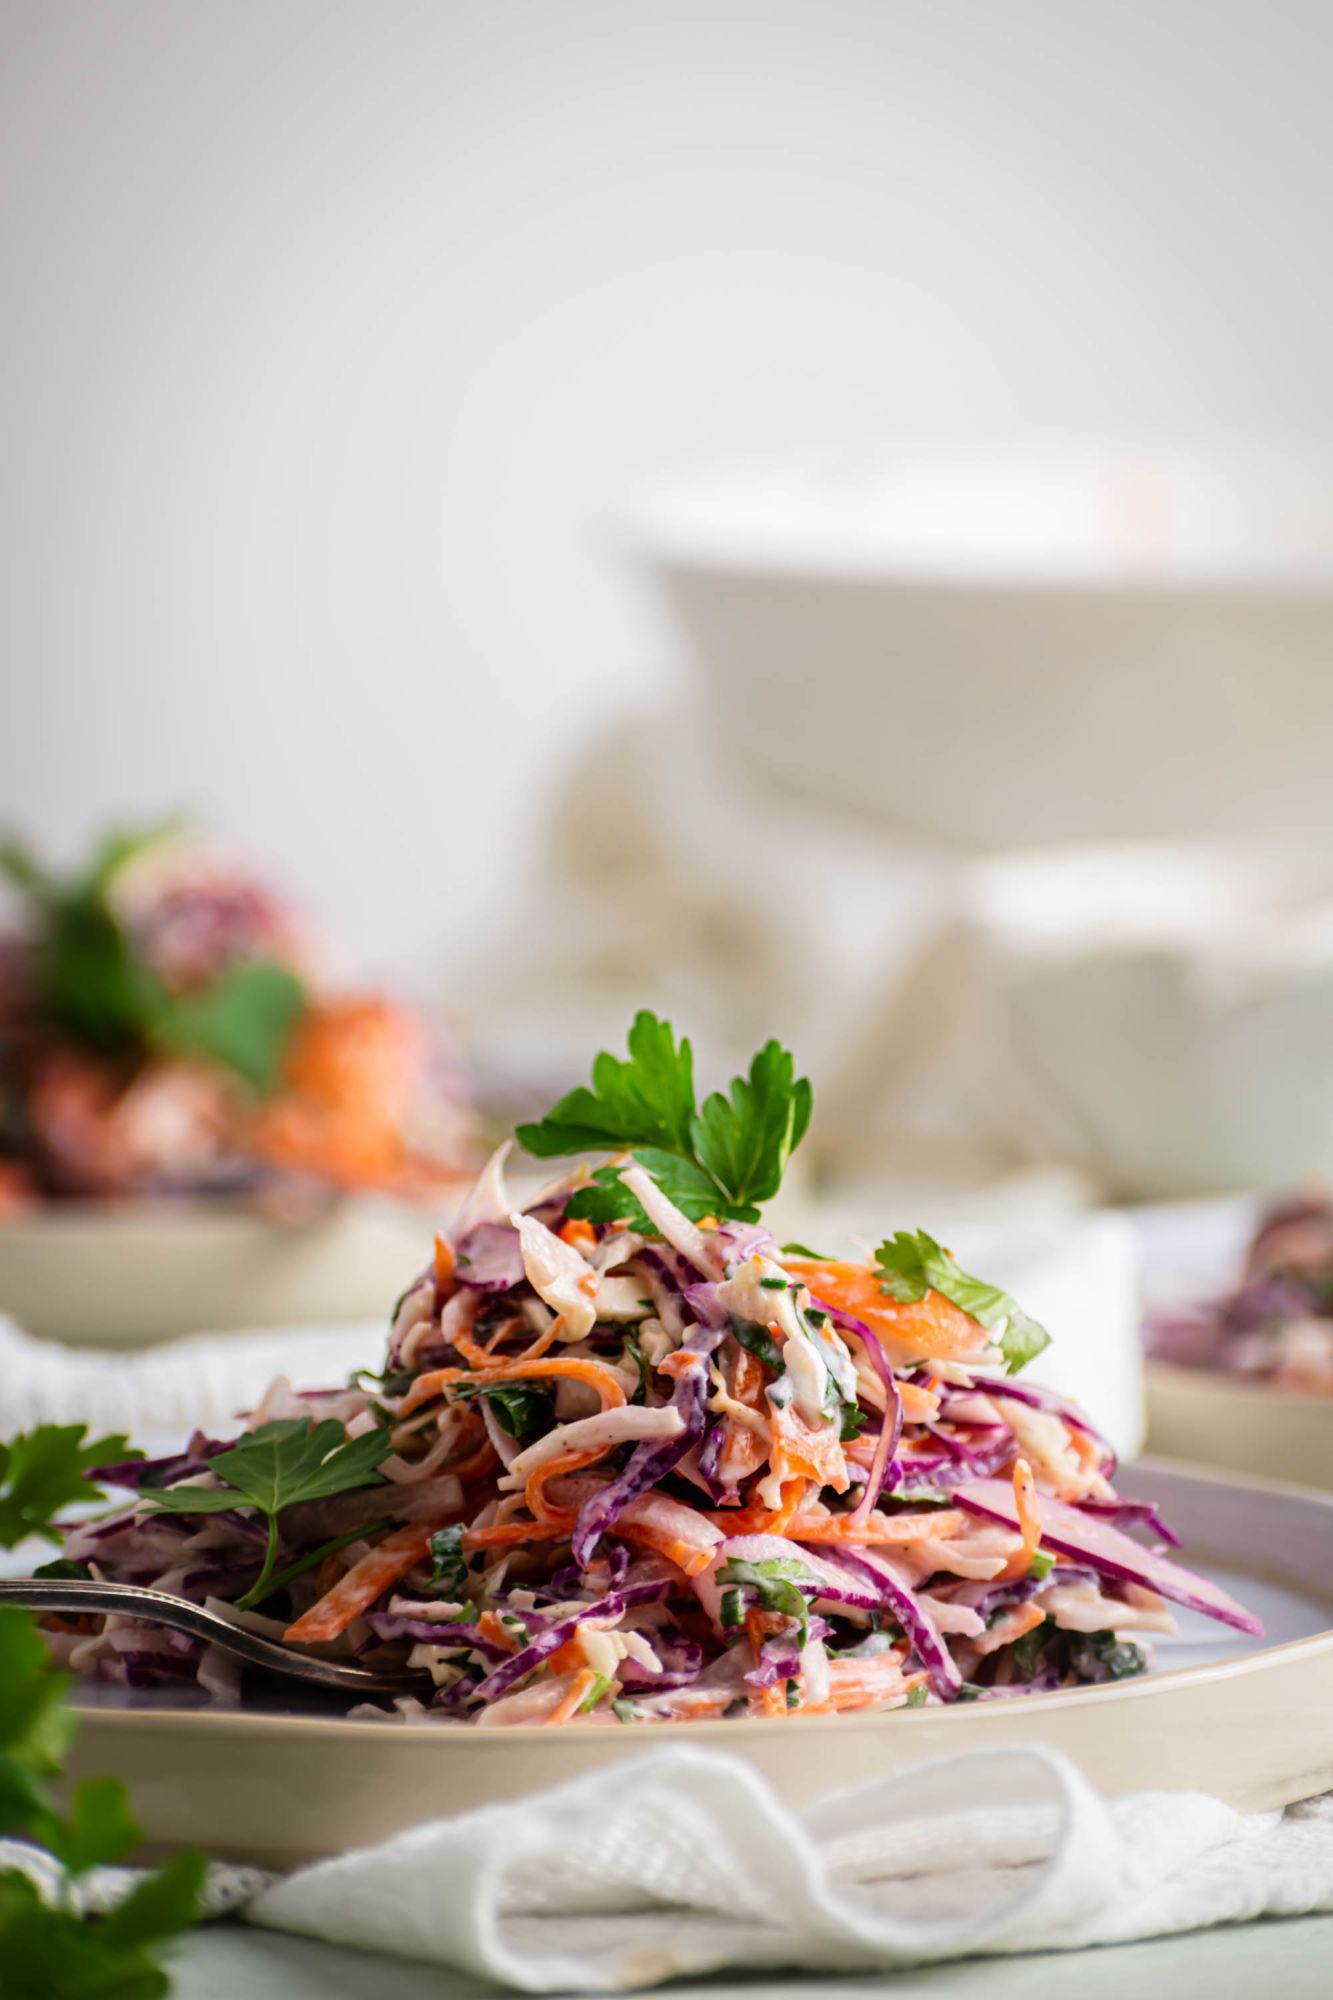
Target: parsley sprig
x,y
911,1263
722,1159
45,1470
48,1948
271,1469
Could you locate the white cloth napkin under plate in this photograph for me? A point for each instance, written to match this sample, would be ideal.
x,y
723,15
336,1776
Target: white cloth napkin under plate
x,y
684,1862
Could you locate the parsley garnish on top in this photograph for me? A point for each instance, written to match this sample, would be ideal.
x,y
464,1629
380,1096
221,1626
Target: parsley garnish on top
x,y
722,1159
911,1263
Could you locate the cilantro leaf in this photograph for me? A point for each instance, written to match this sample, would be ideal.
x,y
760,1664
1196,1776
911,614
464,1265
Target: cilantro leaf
x,y
1100,1656
520,1410
449,1576
913,1263
775,1581
272,1469
757,1340
46,1469
648,1100
744,1139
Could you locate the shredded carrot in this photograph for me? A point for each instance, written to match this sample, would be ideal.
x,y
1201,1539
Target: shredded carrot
x,y
470,1349
364,1582
574,1696
1029,1521
502,1534
502,1332
863,1683
579,1233
543,1342
780,1520
1023,1618
490,1627
687,1559
931,1326
446,1263
681,1362
570,1461
566,1659
920,1406
940,1527
594,1373
481,1461
809,1450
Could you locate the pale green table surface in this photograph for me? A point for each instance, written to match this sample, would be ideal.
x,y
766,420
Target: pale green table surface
x,y
1287,1960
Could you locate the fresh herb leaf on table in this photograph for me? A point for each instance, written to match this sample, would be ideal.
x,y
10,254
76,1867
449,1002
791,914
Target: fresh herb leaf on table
x,y
911,1263
45,1470
271,1469
722,1160
49,1951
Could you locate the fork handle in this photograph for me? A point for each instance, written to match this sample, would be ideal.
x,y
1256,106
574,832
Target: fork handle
x,y
160,1607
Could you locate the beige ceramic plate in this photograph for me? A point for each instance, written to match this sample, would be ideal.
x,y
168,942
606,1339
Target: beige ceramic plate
x,y
1251,1427
1251,1721
128,1276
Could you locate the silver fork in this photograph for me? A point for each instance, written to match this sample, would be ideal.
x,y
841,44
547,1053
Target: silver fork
x,y
159,1607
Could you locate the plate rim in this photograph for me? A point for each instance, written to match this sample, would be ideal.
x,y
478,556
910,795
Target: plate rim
x,y
243,1722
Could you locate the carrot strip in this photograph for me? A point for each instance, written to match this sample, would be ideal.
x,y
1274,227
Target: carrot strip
x,y
1023,1618
579,1233
566,1659
780,1520
1029,1520
543,1341
570,1461
593,1373
470,1349
502,1534
574,1697
446,1263
477,1463
502,1332
941,1527
364,1582
490,1627
919,1405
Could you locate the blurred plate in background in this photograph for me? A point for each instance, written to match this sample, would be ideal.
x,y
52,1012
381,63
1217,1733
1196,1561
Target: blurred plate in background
x,y
129,1276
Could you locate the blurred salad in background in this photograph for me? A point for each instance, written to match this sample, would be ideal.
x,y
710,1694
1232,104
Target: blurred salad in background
x,y
1275,1324
163,1031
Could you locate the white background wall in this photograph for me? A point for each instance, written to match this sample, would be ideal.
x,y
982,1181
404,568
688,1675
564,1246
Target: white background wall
x,y
332,332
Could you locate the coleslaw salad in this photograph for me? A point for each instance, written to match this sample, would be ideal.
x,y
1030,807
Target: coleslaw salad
x,y
629,1460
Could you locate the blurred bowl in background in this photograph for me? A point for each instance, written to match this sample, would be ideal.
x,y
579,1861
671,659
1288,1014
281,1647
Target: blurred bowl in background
x,y
1162,1016
1091,645
128,1276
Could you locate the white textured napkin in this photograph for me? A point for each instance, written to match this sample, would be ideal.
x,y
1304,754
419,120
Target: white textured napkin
x,y
683,1861
161,1394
